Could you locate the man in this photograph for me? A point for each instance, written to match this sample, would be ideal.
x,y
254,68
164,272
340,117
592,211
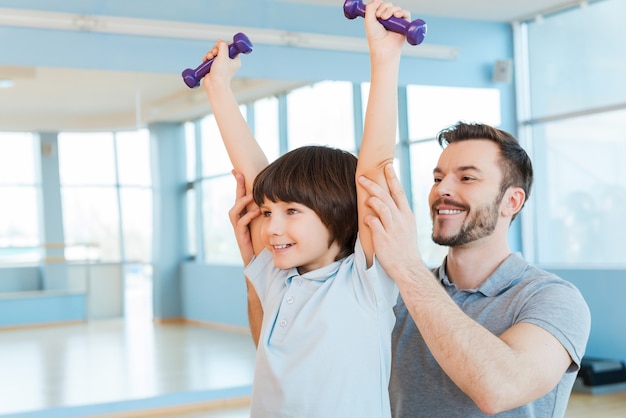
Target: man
x,y
486,332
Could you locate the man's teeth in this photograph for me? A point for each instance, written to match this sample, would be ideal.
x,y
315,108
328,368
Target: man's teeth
x,y
449,211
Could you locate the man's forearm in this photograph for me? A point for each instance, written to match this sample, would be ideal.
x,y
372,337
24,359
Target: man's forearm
x,y
496,373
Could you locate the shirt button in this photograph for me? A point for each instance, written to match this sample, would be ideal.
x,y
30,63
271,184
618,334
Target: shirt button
x,y
290,299
283,323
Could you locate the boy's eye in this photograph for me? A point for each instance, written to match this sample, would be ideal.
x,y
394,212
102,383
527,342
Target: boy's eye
x,y
292,211
266,213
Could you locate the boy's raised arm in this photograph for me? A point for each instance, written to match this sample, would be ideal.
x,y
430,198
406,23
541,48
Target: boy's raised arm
x,y
379,135
243,150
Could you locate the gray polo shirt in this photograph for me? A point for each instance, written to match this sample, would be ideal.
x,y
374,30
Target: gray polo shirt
x,y
516,292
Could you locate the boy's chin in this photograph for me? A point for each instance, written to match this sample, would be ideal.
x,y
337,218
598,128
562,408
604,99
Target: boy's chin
x,y
283,265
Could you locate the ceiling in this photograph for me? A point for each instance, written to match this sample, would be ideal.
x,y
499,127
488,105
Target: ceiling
x,y
128,99
494,10
106,100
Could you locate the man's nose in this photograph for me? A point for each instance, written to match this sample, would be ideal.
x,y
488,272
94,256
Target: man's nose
x,y
445,186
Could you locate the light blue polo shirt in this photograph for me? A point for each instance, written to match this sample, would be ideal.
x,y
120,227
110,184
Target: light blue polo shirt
x,y
325,344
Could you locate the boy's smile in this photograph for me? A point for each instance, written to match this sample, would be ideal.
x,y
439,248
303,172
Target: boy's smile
x,y
296,236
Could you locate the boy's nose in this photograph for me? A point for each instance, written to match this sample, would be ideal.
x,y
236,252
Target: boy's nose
x,y
275,226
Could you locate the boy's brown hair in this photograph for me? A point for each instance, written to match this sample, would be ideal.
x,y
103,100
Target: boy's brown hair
x,y
318,177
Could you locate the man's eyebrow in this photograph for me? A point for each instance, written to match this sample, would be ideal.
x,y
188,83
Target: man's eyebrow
x,y
468,168
462,168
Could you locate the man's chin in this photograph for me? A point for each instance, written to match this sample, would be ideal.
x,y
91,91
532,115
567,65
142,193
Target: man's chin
x,y
447,241
440,238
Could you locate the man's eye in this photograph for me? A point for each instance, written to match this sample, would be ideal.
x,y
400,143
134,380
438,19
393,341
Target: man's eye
x,y
437,180
467,178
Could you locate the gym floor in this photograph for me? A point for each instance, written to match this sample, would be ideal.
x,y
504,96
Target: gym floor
x,y
112,361
56,370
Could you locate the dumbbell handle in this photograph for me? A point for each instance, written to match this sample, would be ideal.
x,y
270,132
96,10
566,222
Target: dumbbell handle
x,y
241,44
414,31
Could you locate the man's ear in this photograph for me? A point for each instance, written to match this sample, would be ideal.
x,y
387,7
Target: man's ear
x,y
513,201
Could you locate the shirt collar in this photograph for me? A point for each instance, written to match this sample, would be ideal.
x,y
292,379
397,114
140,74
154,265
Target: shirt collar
x,y
505,276
321,274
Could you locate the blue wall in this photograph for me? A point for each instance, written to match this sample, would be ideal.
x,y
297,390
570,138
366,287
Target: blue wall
x,y
19,279
214,293
604,290
35,308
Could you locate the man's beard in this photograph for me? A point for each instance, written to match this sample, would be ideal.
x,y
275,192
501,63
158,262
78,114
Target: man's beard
x,y
481,223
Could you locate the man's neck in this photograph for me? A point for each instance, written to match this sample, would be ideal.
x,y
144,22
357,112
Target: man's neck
x,y
470,265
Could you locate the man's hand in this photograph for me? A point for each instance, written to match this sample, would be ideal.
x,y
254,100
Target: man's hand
x,y
393,225
241,214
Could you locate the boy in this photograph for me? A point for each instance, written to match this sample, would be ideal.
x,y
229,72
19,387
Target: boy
x,y
326,305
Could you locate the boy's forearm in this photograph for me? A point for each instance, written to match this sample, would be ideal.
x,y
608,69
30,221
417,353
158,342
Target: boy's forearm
x,y
379,136
244,152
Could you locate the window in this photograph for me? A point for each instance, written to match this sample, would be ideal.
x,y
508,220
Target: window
x,y
433,108
576,122
215,160
217,187
576,58
266,129
87,159
106,195
135,194
580,162
19,189
322,114
220,245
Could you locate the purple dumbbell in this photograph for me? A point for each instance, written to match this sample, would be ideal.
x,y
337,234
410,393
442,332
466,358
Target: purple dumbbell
x,y
241,44
414,31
